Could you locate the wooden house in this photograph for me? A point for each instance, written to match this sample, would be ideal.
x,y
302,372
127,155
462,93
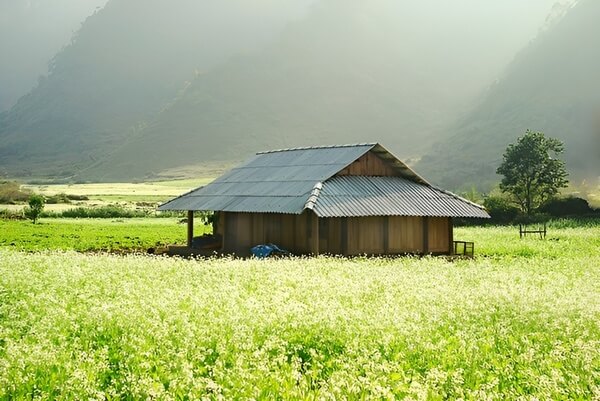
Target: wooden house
x,y
340,200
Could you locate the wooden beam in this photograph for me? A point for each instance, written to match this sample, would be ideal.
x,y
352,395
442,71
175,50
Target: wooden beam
x,y
451,235
313,228
223,222
344,236
190,228
425,235
386,235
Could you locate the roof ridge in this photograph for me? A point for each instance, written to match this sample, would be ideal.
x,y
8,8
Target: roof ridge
x,y
350,145
313,197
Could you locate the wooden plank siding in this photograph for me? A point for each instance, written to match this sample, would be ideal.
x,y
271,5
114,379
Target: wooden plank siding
x,y
388,235
369,165
405,234
365,235
439,240
307,234
242,231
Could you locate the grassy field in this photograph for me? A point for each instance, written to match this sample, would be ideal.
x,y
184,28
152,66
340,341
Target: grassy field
x,y
93,234
127,195
147,191
521,321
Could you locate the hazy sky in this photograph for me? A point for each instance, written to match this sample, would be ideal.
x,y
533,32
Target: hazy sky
x,y
32,31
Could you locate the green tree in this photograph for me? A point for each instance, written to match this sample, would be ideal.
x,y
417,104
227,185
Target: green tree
x,y
532,172
35,208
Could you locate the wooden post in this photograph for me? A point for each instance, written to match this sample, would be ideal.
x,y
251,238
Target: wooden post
x,y
425,235
224,221
314,234
451,235
344,235
190,228
386,235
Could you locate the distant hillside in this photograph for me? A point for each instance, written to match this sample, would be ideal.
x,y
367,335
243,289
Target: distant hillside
x,y
153,85
552,87
126,63
352,71
31,33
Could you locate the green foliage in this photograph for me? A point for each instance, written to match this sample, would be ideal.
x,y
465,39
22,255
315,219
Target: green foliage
x,y
102,212
94,234
35,208
472,194
58,199
568,206
11,192
72,197
532,174
8,214
521,323
501,209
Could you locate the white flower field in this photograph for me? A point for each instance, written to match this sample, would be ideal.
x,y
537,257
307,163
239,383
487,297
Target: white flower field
x,y
520,322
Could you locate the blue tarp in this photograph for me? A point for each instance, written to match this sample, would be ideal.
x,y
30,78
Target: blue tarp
x,y
264,251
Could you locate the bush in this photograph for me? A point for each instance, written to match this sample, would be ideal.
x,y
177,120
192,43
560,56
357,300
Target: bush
x,y
58,198
104,212
35,208
568,206
11,192
501,209
77,197
6,214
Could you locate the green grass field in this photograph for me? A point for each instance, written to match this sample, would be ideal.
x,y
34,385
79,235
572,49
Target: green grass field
x,y
93,234
519,322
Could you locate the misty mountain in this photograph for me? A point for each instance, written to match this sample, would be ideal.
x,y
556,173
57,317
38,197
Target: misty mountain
x,y
125,64
552,86
31,33
149,85
352,71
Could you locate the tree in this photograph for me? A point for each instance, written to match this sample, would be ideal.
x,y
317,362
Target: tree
x,y
36,206
532,172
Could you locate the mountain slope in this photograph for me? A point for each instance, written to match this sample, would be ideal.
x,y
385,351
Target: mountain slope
x,y
124,65
31,33
552,87
352,71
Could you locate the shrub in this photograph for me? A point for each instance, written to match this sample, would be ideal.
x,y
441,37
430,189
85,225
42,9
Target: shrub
x,y
104,212
568,206
501,209
11,192
35,208
58,198
7,214
77,197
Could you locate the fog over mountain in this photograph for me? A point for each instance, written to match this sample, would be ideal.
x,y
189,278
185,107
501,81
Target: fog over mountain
x,y
31,33
552,86
149,85
126,63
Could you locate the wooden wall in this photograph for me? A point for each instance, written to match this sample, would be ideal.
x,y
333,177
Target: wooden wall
x,y
242,231
440,234
369,165
306,234
393,235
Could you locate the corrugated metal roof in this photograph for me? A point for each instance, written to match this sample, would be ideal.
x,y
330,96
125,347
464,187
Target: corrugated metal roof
x,y
293,180
276,181
389,196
